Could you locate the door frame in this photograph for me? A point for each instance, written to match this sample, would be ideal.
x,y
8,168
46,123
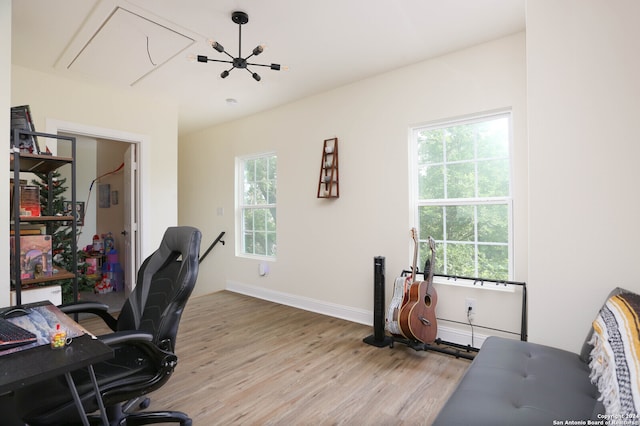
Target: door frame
x,y
142,143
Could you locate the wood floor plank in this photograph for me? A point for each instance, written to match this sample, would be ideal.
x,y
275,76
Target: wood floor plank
x,y
246,361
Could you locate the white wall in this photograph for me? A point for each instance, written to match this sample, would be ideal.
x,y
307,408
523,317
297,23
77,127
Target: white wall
x,y
326,247
583,108
59,100
5,104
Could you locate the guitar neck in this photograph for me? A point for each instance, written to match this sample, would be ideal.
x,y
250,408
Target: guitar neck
x,y
415,254
432,247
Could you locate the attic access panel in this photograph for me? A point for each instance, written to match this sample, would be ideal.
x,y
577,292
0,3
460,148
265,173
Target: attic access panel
x,y
127,47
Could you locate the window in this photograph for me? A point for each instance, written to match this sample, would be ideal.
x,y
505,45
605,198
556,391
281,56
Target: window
x,y
257,182
463,195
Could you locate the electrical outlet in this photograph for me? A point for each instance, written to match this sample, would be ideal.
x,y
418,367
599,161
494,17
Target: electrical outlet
x,y
470,306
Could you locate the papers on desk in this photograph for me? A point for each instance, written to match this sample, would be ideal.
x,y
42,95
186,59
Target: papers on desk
x,y
42,320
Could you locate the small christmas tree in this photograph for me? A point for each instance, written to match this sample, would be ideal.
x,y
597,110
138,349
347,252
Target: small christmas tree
x,y
61,233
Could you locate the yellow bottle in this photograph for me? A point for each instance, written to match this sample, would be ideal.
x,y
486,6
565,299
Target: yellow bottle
x,y
58,337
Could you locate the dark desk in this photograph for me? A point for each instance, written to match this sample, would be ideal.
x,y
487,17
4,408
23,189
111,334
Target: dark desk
x,y
35,364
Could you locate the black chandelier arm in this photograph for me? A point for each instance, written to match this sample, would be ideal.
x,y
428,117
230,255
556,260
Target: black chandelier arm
x,y
225,73
207,59
228,54
255,75
276,67
219,48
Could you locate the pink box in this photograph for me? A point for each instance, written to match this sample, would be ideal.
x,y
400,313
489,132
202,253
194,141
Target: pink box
x,y
92,265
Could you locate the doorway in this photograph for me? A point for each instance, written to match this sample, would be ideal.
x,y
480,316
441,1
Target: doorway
x,y
107,182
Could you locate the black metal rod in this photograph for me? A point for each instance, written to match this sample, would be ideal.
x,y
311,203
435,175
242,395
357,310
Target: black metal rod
x,y
239,40
218,239
229,55
455,349
524,325
74,222
16,217
474,279
480,280
480,326
524,322
259,65
220,60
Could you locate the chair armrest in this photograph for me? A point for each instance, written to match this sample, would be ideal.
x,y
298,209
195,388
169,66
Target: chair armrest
x,y
126,336
95,308
165,360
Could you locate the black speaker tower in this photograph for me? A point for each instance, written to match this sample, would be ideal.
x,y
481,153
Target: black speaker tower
x,y
378,337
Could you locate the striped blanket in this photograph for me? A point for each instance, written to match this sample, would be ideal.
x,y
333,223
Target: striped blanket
x,y
615,358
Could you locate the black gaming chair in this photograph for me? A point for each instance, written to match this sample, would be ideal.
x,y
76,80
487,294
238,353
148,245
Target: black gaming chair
x,y
144,340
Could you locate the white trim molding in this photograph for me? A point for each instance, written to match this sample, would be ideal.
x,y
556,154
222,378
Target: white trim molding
x,y
143,142
360,316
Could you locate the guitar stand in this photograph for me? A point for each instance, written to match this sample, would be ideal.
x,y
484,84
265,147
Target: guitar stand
x,y
380,339
449,348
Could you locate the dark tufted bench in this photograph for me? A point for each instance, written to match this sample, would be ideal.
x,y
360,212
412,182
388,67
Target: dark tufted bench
x,y
511,382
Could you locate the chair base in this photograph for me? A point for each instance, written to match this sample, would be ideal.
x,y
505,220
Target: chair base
x,y
119,418
150,417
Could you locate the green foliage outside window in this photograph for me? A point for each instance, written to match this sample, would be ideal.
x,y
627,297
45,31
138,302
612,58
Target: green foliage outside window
x,y
463,173
259,205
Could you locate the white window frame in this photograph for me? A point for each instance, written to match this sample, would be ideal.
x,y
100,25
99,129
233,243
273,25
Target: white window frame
x,y
416,203
241,207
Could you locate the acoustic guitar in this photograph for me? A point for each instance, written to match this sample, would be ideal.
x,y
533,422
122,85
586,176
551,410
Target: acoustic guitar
x,y
401,293
418,316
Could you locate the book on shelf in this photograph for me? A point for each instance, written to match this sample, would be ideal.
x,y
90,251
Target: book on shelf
x,y
21,119
29,201
11,189
30,229
36,258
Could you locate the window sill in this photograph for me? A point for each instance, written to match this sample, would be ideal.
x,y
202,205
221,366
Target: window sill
x,y
470,283
486,285
256,257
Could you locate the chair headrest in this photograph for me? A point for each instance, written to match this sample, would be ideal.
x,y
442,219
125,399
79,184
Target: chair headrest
x,y
179,239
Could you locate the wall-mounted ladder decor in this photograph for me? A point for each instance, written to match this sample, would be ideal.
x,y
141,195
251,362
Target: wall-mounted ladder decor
x,y
329,184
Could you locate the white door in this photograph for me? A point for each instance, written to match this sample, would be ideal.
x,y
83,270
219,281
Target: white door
x,y
131,255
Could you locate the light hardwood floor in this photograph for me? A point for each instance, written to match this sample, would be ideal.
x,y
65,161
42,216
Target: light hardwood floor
x,y
246,361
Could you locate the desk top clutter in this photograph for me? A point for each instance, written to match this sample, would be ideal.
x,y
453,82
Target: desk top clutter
x,y
43,319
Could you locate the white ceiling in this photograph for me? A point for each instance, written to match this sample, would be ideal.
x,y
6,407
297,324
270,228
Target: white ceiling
x,y
142,45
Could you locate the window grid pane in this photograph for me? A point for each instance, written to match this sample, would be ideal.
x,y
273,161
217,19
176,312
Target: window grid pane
x,y
464,196
258,205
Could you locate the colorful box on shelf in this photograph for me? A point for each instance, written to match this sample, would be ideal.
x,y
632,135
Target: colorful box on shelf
x,y
93,266
29,201
36,259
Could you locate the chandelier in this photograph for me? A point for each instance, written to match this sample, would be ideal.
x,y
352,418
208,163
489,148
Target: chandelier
x,y
239,18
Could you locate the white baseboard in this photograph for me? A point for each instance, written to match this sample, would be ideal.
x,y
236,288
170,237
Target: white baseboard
x,y
460,337
331,309
360,316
